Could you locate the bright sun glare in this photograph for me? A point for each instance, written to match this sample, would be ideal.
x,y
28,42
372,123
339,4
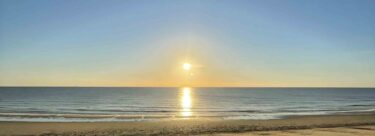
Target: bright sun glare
x,y
186,66
186,102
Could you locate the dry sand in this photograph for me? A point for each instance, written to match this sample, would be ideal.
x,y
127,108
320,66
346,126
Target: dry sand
x,y
341,125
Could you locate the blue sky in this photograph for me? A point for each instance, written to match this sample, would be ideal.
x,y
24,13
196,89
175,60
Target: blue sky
x,y
229,43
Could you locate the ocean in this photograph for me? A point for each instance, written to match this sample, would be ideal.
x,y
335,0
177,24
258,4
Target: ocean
x,y
101,104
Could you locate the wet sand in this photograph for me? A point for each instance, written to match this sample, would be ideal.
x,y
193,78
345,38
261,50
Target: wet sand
x,y
345,125
336,131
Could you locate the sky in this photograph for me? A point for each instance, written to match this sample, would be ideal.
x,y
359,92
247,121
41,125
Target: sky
x,y
249,43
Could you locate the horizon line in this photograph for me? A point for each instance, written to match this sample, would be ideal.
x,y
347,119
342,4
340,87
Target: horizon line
x,y
194,86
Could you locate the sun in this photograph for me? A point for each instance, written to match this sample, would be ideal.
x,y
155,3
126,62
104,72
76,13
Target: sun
x,y
186,66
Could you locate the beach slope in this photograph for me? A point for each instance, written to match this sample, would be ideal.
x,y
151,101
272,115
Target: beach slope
x,y
359,124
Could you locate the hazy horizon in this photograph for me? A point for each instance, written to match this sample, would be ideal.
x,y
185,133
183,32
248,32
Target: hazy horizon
x,y
242,43
191,87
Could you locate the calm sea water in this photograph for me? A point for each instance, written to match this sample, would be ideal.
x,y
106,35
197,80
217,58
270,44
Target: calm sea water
x,y
66,104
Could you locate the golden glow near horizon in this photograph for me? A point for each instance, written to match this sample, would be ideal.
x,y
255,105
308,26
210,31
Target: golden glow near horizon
x,y
186,66
186,102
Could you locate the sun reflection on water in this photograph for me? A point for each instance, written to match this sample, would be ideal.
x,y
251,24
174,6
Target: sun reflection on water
x,y
186,102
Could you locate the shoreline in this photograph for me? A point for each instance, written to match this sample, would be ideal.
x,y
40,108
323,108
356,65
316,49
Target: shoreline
x,y
97,118
187,126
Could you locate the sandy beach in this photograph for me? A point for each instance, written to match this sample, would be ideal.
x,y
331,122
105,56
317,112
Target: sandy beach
x,y
346,125
336,131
